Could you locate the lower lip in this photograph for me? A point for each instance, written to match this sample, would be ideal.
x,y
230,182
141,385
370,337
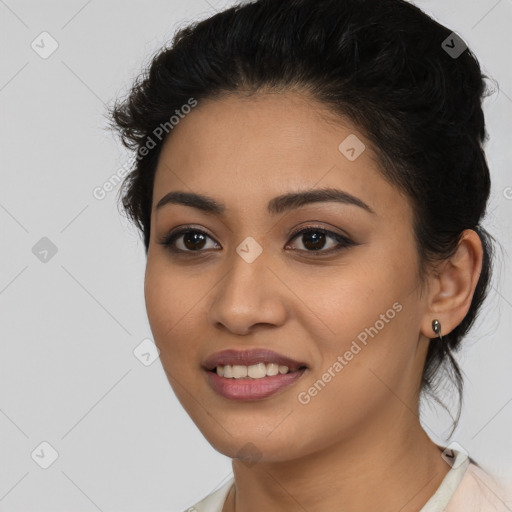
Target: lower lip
x,y
252,389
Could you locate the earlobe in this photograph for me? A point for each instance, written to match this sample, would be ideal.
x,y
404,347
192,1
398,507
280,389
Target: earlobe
x,y
456,279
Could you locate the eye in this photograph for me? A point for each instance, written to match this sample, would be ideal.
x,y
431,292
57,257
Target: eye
x,y
314,239
188,239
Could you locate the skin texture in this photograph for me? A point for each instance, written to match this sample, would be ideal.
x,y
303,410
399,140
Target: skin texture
x,y
358,442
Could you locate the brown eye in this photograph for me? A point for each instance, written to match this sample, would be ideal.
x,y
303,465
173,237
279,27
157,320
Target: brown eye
x,y
313,240
316,239
187,240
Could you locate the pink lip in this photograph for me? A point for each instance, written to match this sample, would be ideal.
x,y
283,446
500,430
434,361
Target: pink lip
x,y
247,388
251,389
247,357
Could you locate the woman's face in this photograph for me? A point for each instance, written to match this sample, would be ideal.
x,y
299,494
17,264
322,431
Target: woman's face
x,y
346,308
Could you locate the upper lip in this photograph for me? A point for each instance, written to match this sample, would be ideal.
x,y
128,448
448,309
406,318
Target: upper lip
x,y
248,357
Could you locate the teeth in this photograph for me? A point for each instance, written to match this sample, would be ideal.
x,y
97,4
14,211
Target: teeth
x,y
255,371
273,369
239,372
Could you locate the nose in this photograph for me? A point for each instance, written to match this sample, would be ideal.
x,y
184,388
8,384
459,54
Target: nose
x,y
250,295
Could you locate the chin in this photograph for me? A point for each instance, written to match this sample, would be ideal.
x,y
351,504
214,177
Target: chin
x,y
255,445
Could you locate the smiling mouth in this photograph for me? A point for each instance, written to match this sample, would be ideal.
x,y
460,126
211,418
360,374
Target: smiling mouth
x,y
251,374
254,371
252,382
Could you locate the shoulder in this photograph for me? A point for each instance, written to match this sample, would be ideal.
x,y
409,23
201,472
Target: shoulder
x,y
479,491
214,502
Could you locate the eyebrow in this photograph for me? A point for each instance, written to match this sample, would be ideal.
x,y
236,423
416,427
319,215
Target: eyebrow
x,y
275,206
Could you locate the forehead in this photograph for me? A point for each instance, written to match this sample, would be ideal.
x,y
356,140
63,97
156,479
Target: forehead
x,y
245,150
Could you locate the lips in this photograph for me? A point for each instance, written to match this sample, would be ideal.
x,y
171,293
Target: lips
x,y
249,357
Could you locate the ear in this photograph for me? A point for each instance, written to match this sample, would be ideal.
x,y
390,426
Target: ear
x,y
452,285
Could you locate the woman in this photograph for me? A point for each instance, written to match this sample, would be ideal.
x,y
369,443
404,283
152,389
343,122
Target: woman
x,y
310,184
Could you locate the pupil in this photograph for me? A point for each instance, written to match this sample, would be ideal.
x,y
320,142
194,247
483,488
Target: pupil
x,y
318,240
190,240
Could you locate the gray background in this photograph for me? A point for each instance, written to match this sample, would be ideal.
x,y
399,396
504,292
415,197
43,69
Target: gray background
x,y
70,324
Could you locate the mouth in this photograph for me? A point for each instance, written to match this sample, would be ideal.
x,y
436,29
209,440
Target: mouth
x,y
251,374
254,360
254,371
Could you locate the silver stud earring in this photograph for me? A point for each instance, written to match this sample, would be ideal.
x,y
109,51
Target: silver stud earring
x,y
436,327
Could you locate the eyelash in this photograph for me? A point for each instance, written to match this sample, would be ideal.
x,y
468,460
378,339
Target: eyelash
x,y
169,239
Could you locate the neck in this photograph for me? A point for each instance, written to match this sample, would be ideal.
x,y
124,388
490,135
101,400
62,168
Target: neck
x,y
400,470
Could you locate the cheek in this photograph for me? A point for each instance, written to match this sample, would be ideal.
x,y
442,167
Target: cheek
x,y
171,305
170,294
344,301
370,356
363,318
160,301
